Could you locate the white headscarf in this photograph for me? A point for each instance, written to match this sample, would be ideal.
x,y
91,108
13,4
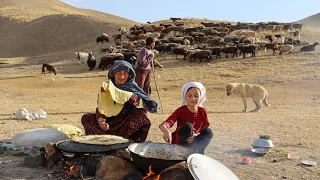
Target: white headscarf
x,y
198,85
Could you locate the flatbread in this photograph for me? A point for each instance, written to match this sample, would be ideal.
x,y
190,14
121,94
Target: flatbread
x,y
100,139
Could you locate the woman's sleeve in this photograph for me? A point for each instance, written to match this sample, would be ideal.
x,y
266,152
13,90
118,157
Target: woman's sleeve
x,y
99,115
172,118
131,104
134,100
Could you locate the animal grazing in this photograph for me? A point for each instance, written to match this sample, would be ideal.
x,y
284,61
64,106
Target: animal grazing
x,y
256,92
202,54
102,39
284,48
49,68
251,48
271,46
309,48
274,39
230,49
91,62
175,19
109,59
123,31
179,51
116,37
82,56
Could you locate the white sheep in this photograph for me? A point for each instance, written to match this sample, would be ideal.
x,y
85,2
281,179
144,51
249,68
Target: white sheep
x,y
82,56
123,31
261,44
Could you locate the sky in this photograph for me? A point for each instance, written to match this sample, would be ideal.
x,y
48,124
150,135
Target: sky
x,y
230,10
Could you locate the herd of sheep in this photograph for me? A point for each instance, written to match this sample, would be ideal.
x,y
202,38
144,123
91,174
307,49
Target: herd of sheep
x,y
200,42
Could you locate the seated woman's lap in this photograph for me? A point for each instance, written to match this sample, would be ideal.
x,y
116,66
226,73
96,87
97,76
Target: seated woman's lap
x,y
123,126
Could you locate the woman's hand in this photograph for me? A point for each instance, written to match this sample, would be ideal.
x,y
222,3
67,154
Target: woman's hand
x,y
191,138
103,124
167,137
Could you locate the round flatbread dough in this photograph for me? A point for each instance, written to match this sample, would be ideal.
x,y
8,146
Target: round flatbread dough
x,y
100,139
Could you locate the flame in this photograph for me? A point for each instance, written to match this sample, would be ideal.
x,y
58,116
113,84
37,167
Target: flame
x,y
151,175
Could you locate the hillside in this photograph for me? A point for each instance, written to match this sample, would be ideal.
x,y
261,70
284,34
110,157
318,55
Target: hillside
x,y
311,21
36,27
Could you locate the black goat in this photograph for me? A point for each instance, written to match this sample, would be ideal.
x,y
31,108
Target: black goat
x,y
309,48
91,62
252,48
49,68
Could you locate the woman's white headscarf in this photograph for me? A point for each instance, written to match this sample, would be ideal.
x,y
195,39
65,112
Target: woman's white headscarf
x,y
198,85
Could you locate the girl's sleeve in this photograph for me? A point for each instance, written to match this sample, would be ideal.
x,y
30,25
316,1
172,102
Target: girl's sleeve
x,y
173,118
206,123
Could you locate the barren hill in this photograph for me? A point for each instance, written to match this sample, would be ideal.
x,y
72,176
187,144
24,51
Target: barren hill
x,y
311,21
37,27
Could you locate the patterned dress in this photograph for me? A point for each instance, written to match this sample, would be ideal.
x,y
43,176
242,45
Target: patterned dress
x,y
131,123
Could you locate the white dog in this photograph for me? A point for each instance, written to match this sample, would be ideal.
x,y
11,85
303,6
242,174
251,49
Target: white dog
x,y
257,93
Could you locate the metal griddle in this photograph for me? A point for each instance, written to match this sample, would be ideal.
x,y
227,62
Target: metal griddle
x,y
70,146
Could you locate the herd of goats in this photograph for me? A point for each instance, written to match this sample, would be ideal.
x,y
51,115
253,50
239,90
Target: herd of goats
x,y
198,43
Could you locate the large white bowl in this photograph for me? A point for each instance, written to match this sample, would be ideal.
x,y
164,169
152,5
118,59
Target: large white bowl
x,y
262,143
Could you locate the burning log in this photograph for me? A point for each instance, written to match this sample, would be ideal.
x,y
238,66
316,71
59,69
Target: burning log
x,y
112,167
52,155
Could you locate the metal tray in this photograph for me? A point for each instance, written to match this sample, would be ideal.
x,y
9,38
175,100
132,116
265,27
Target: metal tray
x,y
74,147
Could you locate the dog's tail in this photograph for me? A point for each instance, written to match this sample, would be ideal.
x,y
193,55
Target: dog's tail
x,y
265,101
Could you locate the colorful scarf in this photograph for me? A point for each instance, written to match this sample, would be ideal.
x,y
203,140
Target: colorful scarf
x,y
130,85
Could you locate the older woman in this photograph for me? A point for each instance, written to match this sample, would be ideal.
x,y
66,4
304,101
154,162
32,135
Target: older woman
x,y
131,122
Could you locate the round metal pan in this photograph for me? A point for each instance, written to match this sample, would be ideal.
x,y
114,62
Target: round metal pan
x,y
74,147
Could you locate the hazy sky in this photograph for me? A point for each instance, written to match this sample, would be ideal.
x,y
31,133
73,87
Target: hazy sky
x,y
231,10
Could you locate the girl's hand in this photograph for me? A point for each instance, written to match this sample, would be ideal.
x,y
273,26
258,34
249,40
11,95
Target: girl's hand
x,y
167,137
103,124
191,138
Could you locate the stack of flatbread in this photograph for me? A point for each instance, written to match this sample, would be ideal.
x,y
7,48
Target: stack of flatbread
x,y
100,139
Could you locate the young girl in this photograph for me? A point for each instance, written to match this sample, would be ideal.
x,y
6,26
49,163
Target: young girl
x,y
193,126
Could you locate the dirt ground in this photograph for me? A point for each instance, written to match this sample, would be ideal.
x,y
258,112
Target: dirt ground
x,y
292,121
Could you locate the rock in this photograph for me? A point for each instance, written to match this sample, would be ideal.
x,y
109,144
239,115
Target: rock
x,y
135,175
122,153
33,161
112,167
177,172
92,162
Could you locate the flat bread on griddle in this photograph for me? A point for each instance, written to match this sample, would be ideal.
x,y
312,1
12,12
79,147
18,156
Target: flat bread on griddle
x,y
100,139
